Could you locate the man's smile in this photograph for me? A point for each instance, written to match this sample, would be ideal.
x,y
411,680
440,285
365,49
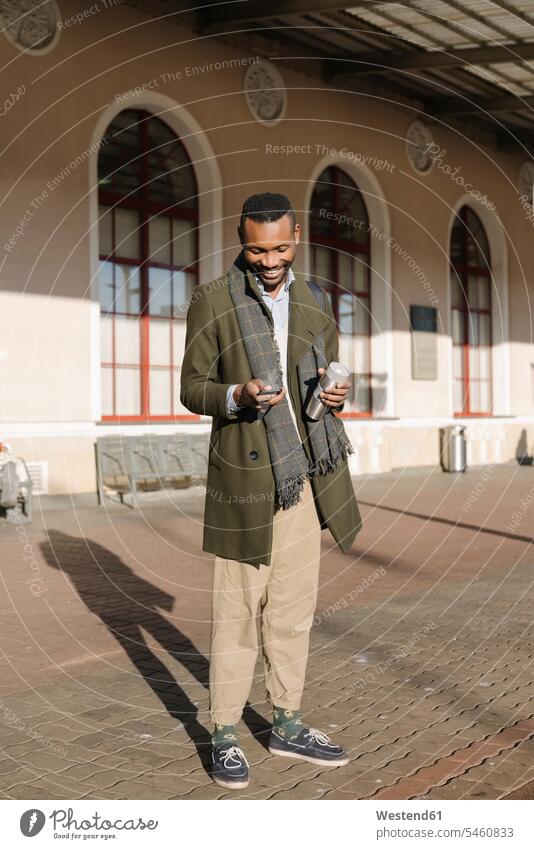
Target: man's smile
x,y
273,274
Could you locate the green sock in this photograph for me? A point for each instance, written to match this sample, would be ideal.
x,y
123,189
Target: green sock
x,y
224,734
287,723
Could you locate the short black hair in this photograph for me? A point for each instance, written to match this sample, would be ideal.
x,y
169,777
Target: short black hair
x,y
265,207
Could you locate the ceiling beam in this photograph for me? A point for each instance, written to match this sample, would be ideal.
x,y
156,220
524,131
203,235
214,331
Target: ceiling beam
x,y
449,106
240,11
377,63
513,140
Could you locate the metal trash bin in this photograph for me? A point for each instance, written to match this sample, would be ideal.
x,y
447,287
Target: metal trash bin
x,y
453,448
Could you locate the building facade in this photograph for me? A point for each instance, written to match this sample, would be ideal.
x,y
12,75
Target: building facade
x,y
129,147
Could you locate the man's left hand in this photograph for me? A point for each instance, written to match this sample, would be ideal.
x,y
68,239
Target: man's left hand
x,y
335,396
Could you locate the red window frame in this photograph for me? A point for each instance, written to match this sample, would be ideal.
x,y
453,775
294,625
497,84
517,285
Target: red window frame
x,y
463,269
341,244
147,209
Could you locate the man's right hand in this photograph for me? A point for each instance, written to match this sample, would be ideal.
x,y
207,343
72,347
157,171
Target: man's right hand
x,y
246,394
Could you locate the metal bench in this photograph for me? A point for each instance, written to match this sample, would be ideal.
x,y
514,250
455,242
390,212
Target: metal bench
x,y
149,462
144,463
176,458
112,466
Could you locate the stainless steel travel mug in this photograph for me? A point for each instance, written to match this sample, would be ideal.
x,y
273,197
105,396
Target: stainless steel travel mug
x,y
335,373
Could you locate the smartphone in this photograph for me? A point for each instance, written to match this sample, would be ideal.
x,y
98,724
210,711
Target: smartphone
x,y
269,392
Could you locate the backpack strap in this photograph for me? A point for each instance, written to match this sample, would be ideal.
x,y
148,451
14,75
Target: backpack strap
x,y
317,293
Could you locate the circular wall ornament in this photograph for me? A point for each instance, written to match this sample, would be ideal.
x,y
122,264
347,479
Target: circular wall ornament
x,y
265,92
419,140
31,25
525,182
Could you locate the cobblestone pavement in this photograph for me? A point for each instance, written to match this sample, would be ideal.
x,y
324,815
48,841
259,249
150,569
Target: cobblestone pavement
x,y
420,663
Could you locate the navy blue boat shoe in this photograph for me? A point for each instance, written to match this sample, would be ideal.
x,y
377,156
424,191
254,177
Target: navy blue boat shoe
x,y
229,766
309,745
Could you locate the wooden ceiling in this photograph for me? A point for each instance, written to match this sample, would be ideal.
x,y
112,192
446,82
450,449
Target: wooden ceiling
x,y
467,63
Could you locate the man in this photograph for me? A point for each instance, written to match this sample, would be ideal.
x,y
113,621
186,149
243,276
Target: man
x,y
275,477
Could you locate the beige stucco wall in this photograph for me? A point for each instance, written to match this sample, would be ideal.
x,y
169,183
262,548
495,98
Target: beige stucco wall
x,y
49,351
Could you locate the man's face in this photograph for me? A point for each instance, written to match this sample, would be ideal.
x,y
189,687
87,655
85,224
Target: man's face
x,y
269,248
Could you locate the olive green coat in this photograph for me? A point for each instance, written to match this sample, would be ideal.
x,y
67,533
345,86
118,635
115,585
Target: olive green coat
x,y
240,491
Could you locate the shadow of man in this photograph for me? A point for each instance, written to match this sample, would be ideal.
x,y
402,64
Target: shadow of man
x,y
125,603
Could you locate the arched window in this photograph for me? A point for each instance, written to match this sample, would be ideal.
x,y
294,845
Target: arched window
x,y
340,262
471,315
148,265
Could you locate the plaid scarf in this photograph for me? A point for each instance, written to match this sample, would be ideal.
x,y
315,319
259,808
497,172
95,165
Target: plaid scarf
x,y
327,438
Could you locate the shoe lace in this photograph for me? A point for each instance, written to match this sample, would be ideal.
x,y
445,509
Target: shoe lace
x,y
234,752
317,736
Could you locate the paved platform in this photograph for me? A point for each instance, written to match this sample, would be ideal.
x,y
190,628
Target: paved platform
x,y
420,665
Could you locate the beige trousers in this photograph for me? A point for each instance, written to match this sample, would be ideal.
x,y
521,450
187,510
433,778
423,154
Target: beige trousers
x,y
283,597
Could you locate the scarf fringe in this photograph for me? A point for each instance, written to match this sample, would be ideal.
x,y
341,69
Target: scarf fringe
x,y
327,465
290,490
